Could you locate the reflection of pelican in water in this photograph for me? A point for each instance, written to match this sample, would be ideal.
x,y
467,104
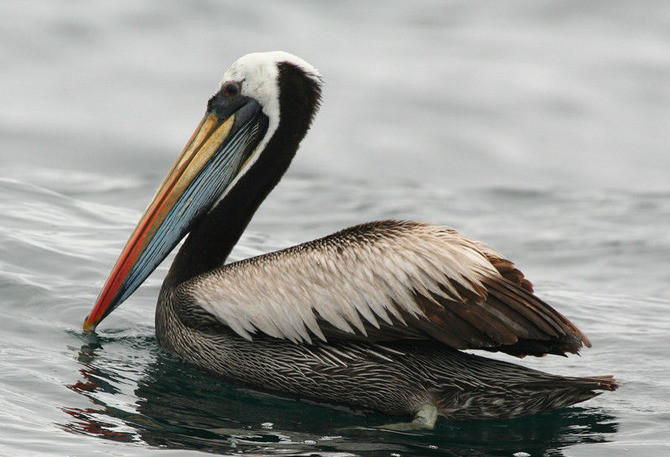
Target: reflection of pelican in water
x,y
372,316
178,408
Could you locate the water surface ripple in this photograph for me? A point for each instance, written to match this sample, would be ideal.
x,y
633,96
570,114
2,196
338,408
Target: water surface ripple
x,y
119,386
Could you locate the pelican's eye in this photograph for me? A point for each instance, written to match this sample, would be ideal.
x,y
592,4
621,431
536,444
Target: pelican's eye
x,y
231,89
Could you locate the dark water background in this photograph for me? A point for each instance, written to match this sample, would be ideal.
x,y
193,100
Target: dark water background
x,y
540,127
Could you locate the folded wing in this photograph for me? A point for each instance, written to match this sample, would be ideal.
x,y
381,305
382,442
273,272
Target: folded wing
x,y
386,281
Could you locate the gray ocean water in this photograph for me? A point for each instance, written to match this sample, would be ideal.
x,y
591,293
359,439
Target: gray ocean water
x,y
542,128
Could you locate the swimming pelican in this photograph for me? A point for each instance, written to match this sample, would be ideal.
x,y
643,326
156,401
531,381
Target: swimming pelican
x,y
374,316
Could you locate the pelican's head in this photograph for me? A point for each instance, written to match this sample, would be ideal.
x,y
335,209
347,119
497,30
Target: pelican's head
x,y
264,106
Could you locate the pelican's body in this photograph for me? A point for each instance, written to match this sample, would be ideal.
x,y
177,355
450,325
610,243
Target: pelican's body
x,y
373,316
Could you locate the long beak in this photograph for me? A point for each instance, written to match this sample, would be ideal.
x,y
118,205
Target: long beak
x,y
217,152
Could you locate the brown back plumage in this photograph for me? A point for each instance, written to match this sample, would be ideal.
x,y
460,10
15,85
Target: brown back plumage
x,y
387,281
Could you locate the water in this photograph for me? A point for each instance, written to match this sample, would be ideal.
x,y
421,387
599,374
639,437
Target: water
x,y
541,128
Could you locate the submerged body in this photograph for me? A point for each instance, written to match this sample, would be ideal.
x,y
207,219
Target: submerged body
x,y
373,316
397,378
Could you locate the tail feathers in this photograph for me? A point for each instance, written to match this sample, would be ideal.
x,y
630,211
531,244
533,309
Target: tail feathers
x,y
530,397
575,383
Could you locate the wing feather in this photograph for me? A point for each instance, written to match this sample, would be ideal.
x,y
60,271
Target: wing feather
x,y
385,281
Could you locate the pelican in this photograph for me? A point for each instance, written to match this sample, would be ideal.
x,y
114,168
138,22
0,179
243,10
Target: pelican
x,y
375,316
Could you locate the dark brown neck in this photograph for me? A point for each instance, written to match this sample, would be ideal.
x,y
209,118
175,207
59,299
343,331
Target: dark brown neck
x,y
208,245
